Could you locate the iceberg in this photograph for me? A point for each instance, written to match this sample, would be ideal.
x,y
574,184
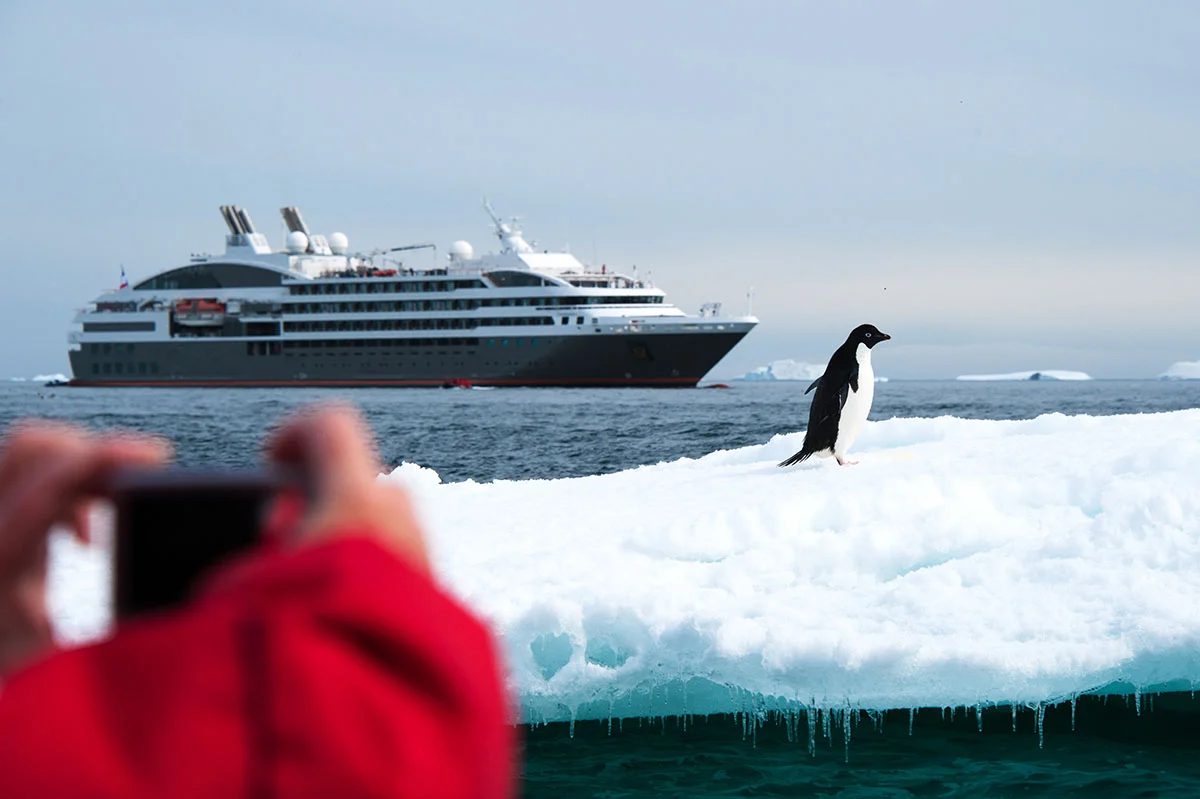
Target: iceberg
x,y
961,563
1043,374
785,369
1182,370
56,377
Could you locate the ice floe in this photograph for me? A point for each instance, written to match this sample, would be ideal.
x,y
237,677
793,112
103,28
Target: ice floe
x,y
961,562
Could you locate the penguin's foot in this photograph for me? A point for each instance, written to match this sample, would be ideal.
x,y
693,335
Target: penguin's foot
x,y
842,462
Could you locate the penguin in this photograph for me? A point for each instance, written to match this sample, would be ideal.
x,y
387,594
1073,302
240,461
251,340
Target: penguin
x,y
843,399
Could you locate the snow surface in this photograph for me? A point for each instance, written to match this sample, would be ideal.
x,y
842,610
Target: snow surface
x,y
962,562
1042,374
1182,370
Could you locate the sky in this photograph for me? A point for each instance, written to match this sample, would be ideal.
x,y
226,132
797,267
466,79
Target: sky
x,y
1000,186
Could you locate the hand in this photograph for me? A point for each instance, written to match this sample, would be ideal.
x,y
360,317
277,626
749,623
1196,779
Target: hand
x,y
332,445
49,474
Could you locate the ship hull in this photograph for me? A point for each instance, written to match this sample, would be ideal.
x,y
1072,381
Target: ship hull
x,y
667,359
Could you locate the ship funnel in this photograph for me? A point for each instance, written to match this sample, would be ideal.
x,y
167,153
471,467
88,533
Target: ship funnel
x,y
293,220
295,224
231,220
247,225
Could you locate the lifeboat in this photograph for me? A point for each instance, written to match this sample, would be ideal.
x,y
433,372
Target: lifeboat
x,y
199,313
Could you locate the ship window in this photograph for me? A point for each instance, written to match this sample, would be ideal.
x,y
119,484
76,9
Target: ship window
x,y
511,279
212,276
95,368
120,368
154,368
108,368
117,327
579,320
107,349
141,368
566,319
504,342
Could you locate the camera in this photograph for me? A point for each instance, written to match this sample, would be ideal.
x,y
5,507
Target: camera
x,y
173,526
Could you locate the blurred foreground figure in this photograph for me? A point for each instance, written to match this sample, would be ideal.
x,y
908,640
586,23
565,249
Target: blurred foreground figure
x,y
325,664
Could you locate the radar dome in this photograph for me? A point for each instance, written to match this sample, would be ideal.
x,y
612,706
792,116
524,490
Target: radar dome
x,y
461,251
297,242
338,243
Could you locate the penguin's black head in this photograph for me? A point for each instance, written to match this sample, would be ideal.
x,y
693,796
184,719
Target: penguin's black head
x,y
868,334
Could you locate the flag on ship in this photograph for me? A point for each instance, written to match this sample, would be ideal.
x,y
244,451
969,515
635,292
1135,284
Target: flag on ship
x,y
124,282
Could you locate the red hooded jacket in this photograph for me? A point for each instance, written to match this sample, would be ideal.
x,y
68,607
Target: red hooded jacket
x,y
330,671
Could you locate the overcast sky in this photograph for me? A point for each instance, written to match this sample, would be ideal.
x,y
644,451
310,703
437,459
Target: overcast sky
x,y
999,185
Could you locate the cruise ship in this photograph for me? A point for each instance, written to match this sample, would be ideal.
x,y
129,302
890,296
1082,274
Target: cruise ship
x,y
314,314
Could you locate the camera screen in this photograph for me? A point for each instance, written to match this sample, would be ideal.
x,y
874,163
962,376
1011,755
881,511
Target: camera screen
x,y
168,537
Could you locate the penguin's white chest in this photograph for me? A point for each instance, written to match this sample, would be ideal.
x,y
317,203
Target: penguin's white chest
x,y
858,403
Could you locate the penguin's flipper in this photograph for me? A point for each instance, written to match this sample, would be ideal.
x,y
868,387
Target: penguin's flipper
x,y
853,384
815,383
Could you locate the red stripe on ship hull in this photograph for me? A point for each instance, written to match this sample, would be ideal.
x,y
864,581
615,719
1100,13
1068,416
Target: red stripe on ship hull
x,y
581,381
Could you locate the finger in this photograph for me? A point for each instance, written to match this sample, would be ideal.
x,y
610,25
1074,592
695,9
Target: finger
x,y
29,442
53,491
331,443
81,523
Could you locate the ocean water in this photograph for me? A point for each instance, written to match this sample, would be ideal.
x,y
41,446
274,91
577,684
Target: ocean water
x,y
1102,746
517,434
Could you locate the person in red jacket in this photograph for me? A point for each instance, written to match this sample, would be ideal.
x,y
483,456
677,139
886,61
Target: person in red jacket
x,y
328,665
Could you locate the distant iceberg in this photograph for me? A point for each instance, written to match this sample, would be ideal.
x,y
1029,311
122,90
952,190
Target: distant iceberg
x,y
785,369
961,563
1044,374
1182,370
54,378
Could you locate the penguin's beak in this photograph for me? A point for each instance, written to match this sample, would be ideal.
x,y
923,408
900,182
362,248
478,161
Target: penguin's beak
x,y
884,336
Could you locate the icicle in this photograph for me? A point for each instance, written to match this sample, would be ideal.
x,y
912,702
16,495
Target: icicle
x,y
1150,700
912,715
610,715
828,726
811,715
979,717
788,724
1074,700
1014,710
1137,699
1041,723
621,725
572,728
846,730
